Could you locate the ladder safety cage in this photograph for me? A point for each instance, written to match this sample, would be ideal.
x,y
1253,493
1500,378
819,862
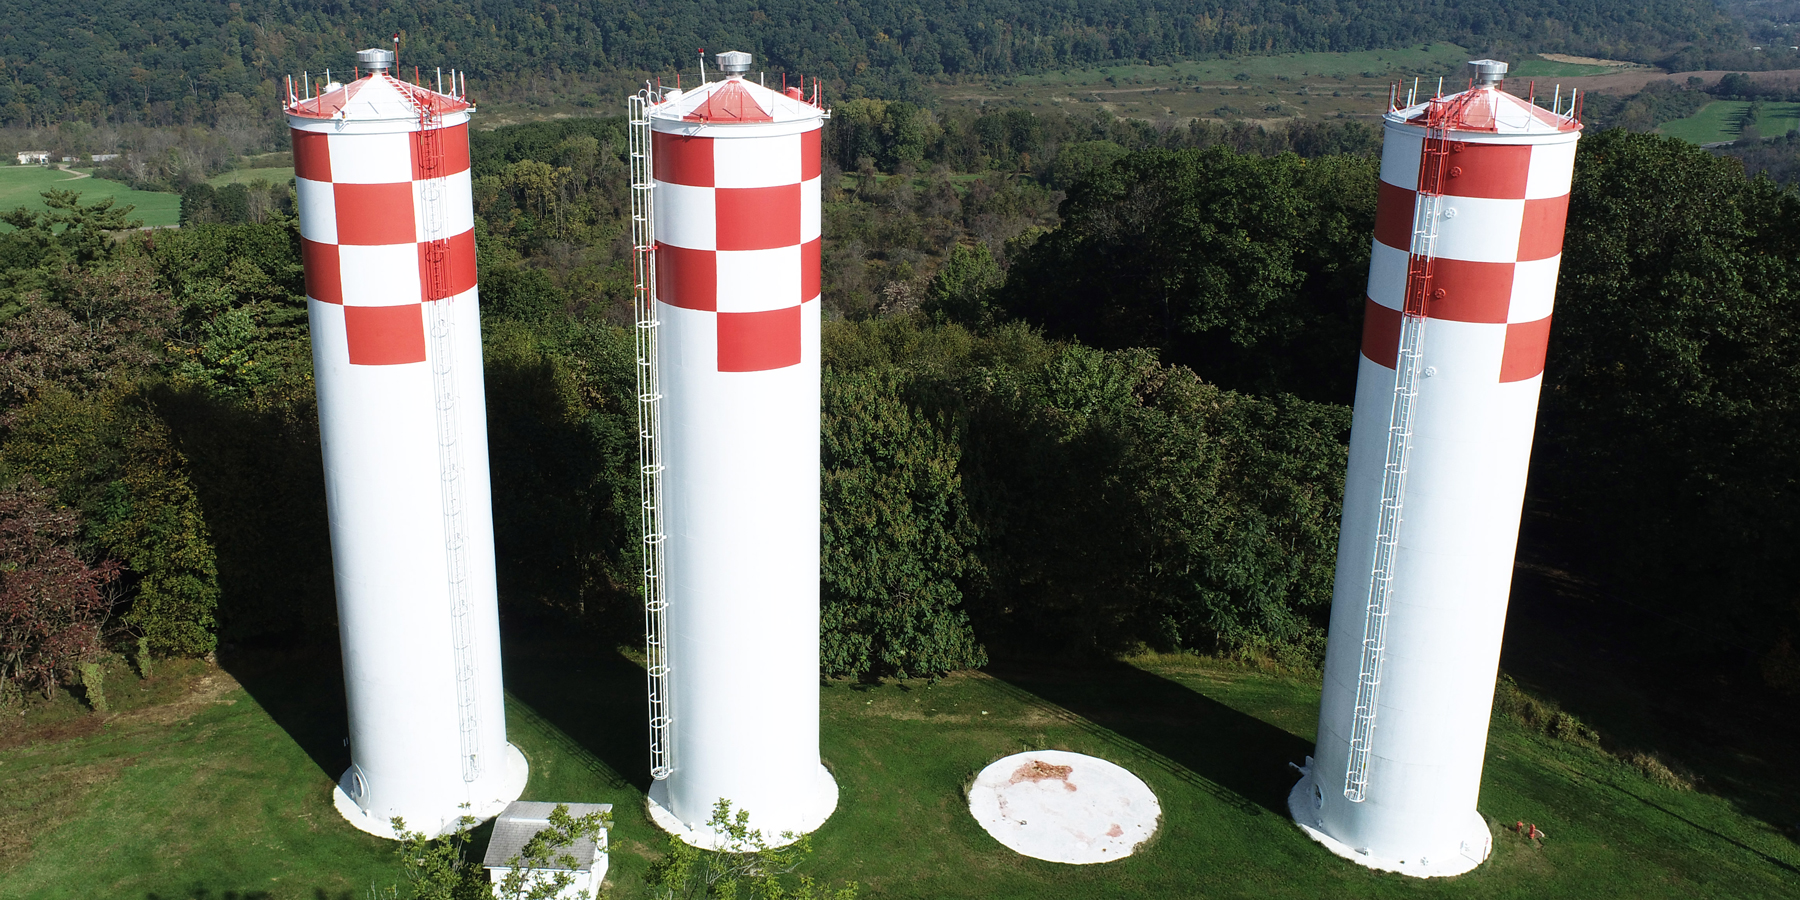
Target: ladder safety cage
x,y
1419,293
442,330
650,464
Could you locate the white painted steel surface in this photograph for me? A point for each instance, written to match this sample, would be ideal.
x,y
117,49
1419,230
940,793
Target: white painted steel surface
x,y
1064,807
736,175
386,224
1499,231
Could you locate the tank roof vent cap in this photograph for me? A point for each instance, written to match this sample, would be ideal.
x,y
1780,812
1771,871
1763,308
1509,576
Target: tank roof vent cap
x,y
1487,72
734,62
375,59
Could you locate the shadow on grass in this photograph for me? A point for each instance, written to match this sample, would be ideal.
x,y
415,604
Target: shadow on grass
x,y
302,689
1238,759
590,695
1650,682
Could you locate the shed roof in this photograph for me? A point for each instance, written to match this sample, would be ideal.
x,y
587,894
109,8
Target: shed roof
x,y
522,819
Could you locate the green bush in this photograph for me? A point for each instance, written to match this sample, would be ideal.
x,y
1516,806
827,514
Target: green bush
x,y
896,539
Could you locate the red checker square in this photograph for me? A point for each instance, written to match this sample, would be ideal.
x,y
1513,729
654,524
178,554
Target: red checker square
x,y
324,278
1381,334
1496,171
385,335
1526,344
687,278
312,155
452,146
447,267
757,218
809,154
369,214
1471,291
759,341
1394,212
809,270
1541,232
679,159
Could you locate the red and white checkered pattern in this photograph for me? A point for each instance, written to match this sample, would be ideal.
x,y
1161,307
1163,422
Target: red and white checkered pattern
x,y
1499,245
1442,518
737,233
367,237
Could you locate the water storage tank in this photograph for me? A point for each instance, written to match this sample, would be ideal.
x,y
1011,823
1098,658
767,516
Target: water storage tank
x,y
1468,237
735,204
386,224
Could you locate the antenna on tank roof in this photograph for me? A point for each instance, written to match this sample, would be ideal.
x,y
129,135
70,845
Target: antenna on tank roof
x,y
703,66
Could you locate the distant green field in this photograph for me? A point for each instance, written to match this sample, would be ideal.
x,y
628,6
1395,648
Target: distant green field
x,y
272,175
22,185
1262,88
1722,120
1544,68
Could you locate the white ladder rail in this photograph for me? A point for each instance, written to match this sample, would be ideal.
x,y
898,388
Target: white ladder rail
x,y
650,464
441,328
1407,366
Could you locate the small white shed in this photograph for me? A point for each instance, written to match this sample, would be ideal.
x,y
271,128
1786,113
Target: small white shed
x,y
522,820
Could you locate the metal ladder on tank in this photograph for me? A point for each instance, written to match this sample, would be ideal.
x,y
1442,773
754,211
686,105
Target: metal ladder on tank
x,y
441,329
1399,448
650,464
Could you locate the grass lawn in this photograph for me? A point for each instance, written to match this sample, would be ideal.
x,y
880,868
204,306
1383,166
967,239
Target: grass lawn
x,y
1721,120
21,186
1538,67
216,783
1307,85
272,175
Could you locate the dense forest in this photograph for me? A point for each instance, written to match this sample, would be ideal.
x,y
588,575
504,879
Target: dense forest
x,y
1074,401
213,61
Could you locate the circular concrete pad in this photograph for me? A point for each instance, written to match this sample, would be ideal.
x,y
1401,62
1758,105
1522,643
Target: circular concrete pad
x,y
1064,807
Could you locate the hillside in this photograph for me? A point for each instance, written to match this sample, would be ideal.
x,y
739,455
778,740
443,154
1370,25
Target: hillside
x,y
175,62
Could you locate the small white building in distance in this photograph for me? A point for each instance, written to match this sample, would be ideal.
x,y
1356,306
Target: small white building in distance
x,y
522,820
34,157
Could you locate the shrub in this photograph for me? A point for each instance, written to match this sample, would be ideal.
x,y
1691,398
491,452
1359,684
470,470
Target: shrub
x,y
52,604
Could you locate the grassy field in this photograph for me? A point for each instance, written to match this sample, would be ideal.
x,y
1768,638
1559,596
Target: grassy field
x,y
1721,120
270,174
215,782
1294,85
21,185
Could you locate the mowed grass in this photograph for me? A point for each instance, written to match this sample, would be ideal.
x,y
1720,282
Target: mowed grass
x,y
1292,85
1722,120
24,185
224,787
1257,89
271,174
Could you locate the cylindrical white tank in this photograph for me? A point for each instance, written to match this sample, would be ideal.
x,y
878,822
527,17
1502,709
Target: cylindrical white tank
x,y
386,225
736,211
1410,669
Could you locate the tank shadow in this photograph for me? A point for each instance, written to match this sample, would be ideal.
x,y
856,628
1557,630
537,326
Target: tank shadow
x,y
589,695
302,689
1152,720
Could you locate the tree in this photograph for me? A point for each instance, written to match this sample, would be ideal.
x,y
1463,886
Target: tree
x,y
896,538
438,868
1671,403
1248,270
740,861
52,603
549,851
80,231
961,289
